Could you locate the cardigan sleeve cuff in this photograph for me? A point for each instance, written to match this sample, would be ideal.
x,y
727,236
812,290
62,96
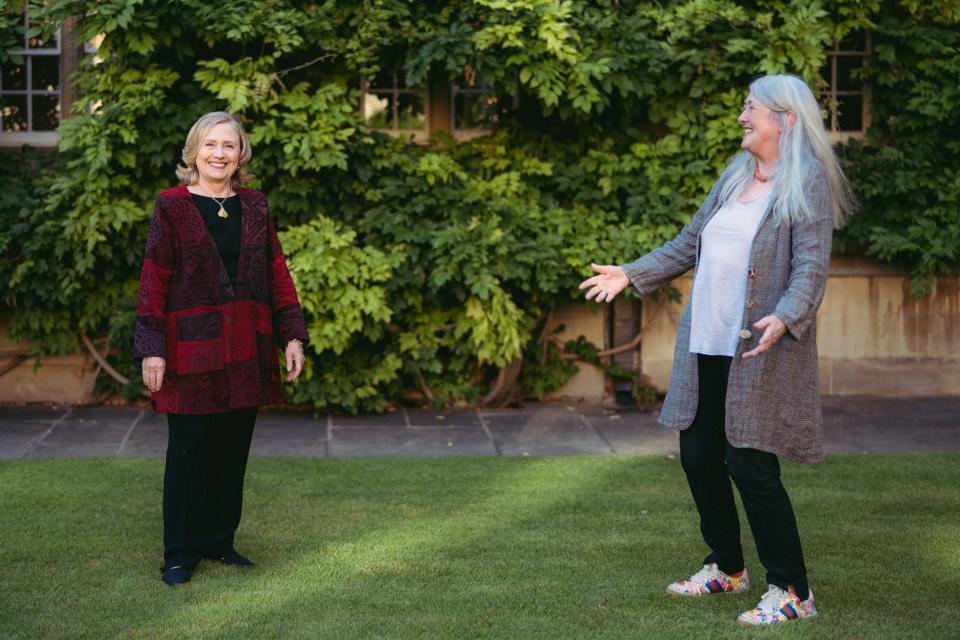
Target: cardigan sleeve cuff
x,y
639,275
150,337
289,324
796,321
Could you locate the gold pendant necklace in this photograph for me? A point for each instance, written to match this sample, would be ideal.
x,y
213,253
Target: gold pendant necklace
x,y
223,212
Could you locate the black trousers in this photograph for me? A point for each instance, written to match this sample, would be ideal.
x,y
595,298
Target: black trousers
x,y
203,483
710,461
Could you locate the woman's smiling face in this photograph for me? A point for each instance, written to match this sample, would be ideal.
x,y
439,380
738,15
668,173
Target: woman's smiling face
x,y
761,130
219,154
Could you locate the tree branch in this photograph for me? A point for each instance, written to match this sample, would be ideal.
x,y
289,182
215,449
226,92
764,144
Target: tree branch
x,y
18,359
545,336
506,378
627,346
424,387
102,361
325,56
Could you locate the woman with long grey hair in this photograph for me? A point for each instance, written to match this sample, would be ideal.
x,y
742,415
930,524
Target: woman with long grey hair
x,y
744,387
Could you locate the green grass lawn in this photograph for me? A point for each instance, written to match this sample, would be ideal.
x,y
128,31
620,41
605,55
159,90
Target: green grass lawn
x,y
571,547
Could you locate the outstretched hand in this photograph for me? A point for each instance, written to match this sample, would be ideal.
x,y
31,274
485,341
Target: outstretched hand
x,y
605,286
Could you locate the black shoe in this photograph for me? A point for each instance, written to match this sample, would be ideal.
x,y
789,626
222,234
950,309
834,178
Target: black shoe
x,y
233,559
173,576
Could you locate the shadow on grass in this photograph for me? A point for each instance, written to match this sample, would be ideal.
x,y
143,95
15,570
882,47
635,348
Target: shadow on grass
x,y
463,547
482,555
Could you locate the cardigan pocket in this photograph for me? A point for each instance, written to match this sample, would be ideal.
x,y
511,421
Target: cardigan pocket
x,y
199,343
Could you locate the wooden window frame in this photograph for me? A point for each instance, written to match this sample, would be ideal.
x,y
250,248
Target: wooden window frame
x,y
831,94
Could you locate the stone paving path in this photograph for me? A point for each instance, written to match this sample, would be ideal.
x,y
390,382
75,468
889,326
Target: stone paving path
x,y
853,424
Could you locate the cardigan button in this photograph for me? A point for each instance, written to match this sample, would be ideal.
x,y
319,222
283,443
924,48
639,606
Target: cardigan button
x,y
749,304
751,273
745,334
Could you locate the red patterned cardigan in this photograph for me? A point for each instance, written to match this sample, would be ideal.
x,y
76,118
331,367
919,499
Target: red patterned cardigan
x,y
218,336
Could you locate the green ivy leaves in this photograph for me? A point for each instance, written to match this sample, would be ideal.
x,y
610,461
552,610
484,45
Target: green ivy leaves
x,y
341,284
431,268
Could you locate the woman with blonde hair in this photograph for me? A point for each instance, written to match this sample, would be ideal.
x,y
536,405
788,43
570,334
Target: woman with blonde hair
x,y
744,386
215,302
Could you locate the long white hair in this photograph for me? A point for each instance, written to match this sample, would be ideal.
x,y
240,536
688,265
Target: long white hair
x,y
804,149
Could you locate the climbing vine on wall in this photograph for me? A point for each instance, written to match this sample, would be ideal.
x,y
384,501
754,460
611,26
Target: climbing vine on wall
x,y
431,272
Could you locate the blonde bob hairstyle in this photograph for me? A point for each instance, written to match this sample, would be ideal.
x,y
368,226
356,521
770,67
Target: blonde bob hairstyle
x,y
188,173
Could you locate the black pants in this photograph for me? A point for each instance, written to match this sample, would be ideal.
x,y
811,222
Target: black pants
x,y
710,461
203,483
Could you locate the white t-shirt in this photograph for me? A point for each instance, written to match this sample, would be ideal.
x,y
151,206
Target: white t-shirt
x,y
720,284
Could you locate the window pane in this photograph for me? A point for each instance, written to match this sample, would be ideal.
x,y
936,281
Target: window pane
x,y
46,73
850,113
13,110
48,40
846,65
474,111
467,111
378,110
46,113
40,42
14,77
383,80
826,72
410,111
402,81
856,41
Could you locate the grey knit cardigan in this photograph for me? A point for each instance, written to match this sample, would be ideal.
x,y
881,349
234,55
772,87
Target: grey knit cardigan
x,y
773,400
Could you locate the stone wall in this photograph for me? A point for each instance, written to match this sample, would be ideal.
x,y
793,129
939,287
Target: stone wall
x,y
874,336
66,379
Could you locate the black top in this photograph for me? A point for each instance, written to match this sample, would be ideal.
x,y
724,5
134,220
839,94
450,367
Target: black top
x,y
225,231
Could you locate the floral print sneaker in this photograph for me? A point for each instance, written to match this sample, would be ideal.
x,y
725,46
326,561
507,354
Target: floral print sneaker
x,y
778,605
710,580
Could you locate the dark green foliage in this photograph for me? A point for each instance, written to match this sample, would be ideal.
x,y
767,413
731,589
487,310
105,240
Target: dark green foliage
x,y
646,396
908,176
430,269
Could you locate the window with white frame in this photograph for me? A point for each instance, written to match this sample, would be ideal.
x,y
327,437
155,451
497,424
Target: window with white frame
x,y
391,106
847,98
30,89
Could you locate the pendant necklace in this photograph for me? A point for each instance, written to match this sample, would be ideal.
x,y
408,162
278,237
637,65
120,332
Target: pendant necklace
x,y
759,176
223,212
